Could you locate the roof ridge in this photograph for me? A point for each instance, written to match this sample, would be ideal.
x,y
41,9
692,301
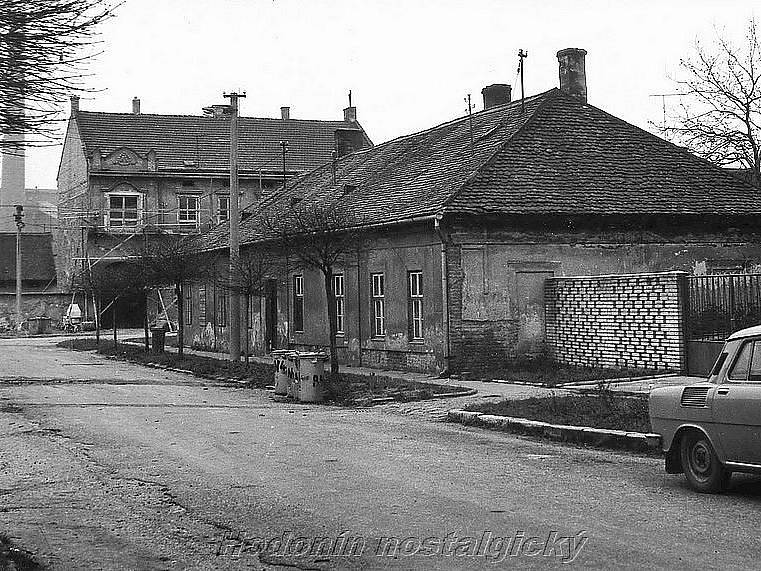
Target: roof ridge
x,y
188,116
550,95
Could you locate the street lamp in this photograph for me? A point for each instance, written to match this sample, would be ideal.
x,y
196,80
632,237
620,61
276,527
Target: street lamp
x,y
19,218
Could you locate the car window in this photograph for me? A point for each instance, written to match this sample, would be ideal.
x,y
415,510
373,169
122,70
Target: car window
x,y
739,370
719,363
754,375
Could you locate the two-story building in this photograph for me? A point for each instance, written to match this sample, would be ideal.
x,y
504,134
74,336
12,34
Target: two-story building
x,y
129,179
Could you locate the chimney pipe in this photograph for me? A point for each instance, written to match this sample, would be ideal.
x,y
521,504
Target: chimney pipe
x,y
74,105
285,113
350,114
496,94
573,75
136,106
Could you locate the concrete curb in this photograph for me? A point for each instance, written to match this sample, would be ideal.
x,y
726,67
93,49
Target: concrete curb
x,y
605,438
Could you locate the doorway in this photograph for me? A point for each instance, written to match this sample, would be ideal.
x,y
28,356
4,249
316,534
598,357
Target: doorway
x,y
270,315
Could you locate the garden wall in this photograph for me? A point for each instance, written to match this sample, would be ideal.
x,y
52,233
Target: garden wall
x,y
617,321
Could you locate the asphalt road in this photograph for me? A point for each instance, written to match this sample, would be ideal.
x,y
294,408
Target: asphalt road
x,y
132,468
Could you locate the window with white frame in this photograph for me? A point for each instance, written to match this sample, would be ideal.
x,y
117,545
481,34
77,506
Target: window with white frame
x,y
188,209
379,305
123,210
415,305
298,302
223,209
338,292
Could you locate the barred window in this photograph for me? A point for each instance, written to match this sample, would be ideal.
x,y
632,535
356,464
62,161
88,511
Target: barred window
x,y
338,292
379,305
187,307
298,302
223,211
415,306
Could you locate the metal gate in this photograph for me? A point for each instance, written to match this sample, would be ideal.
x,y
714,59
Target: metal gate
x,y
717,306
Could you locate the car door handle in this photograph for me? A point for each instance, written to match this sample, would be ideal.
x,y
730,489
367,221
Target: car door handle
x,y
722,391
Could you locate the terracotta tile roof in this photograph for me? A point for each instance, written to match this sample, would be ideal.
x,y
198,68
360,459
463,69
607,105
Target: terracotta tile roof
x,y
405,178
180,138
37,263
577,159
559,156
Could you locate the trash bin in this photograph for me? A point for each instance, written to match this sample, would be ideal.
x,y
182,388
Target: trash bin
x,y
281,371
38,325
312,383
158,336
292,371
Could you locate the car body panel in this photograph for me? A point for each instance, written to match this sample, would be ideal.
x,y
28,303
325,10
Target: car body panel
x,y
726,407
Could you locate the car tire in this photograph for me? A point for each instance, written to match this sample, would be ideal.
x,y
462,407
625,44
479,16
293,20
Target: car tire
x,y
702,468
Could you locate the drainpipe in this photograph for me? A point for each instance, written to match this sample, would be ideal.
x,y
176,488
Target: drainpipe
x,y
444,288
359,307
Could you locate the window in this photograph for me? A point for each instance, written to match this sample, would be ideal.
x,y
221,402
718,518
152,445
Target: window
x,y
298,302
251,311
338,292
223,212
187,307
415,305
747,366
122,210
379,309
188,209
222,310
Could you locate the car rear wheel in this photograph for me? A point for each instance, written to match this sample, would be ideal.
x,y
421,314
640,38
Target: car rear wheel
x,y
701,466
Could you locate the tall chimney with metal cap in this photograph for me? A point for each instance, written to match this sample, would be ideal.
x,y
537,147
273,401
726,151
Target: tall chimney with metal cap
x,y
573,75
136,106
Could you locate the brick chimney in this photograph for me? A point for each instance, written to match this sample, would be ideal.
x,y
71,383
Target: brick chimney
x,y
74,105
573,76
136,106
496,94
350,114
285,113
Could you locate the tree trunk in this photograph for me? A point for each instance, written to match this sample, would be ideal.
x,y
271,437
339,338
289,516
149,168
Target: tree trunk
x,y
248,323
145,321
97,321
180,320
332,319
113,304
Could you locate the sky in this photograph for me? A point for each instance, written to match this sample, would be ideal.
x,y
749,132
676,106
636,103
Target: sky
x,y
410,64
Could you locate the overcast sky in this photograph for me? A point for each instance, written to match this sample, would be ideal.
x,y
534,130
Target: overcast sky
x,y
409,63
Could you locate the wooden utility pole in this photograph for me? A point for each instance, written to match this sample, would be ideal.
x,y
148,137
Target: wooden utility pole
x,y
234,228
284,144
470,119
521,56
18,216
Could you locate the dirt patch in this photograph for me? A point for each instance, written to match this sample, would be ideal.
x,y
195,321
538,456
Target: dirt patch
x,y
610,411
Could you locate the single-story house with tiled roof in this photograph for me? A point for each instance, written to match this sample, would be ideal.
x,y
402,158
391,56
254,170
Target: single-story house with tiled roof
x,y
162,176
464,222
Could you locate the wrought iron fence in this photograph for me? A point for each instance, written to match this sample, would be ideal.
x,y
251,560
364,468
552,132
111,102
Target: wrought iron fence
x,y
721,304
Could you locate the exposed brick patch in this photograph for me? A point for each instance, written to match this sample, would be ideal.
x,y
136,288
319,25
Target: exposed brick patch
x,y
617,321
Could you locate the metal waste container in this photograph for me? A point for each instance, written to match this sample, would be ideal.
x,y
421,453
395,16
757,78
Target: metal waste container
x,y
38,325
158,336
292,371
281,371
312,381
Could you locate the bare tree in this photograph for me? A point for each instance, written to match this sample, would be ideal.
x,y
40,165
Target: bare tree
x,y
44,48
319,235
718,116
104,284
247,277
171,264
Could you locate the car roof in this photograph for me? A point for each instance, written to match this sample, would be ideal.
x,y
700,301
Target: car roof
x,y
749,332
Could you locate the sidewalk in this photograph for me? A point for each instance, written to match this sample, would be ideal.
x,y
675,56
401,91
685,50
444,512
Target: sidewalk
x,y
491,389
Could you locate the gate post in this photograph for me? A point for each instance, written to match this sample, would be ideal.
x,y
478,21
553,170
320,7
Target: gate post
x,y
683,294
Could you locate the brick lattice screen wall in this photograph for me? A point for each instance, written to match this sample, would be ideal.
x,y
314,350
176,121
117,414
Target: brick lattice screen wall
x,y
617,321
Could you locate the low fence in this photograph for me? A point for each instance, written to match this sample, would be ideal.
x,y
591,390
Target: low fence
x,y
632,321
